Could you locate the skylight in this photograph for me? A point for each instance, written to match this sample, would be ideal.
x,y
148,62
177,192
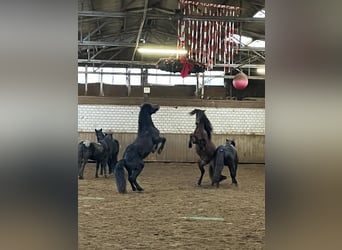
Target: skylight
x,y
244,39
260,14
257,44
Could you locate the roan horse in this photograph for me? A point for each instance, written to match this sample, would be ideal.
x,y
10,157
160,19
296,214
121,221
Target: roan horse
x,y
97,151
205,148
113,151
226,155
147,141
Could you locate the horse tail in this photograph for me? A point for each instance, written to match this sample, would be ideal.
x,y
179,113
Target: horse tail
x,y
219,164
80,152
81,148
116,142
120,176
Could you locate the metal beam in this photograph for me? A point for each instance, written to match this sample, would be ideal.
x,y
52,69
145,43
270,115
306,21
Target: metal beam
x,y
105,44
144,63
140,30
175,16
132,45
117,62
95,30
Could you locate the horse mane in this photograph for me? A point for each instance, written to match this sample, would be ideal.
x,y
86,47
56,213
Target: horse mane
x,y
207,125
145,119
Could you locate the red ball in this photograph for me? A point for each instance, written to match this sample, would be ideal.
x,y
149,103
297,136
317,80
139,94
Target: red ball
x,y
240,81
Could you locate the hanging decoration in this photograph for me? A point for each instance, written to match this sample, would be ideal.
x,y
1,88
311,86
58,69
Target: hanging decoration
x,y
183,65
208,42
240,81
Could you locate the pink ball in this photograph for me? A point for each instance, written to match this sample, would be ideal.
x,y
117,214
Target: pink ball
x,y
240,81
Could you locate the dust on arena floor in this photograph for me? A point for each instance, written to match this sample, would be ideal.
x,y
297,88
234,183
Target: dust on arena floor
x,y
172,212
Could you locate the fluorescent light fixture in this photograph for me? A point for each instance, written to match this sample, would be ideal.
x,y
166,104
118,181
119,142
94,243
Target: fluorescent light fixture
x,y
260,71
161,51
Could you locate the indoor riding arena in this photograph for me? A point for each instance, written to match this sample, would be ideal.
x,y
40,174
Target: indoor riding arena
x,y
217,65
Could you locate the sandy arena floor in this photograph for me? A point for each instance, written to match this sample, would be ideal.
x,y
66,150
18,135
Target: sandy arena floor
x,y
158,218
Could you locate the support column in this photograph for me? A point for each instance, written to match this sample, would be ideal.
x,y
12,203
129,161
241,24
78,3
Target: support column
x,y
86,80
101,83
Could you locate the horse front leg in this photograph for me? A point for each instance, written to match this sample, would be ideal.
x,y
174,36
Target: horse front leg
x,y
163,140
103,167
154,148
97,169
191,140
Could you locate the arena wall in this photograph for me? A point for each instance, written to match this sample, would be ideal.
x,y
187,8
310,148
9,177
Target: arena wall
x,y
242,121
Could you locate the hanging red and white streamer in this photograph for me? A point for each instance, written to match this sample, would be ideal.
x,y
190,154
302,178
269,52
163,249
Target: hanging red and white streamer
x,y
208,41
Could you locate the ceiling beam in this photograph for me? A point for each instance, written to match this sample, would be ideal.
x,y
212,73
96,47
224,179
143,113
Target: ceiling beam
x,y
105,44
132,45
178,16
144,63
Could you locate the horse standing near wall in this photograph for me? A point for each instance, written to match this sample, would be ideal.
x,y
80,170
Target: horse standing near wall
x,y
113,150
226,155
201,137
97,151
147,141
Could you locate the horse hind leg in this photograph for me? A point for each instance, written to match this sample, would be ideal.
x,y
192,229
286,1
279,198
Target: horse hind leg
x,y
135,174
129,171
233,174
81,167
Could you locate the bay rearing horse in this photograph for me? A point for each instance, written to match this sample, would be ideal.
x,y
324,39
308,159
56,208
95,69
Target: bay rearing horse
x,y
205,148
147,141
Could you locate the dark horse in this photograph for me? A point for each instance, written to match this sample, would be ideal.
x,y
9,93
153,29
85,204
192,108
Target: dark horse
x,y
113,151
205,148
147,141
226,155
96,151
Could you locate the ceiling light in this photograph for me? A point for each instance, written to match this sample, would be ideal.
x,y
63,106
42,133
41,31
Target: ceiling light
x,y
261,71
161,51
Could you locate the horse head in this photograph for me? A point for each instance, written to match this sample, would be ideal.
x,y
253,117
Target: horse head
x,y
230,142
99,134
199,115
202,119
149,108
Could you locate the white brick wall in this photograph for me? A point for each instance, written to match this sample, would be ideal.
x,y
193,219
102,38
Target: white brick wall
x,y
121,118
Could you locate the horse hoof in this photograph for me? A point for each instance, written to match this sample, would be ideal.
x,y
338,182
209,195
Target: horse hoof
x,y
140,190
80,177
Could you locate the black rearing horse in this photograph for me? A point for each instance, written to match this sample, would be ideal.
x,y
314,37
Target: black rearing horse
x,y
147,141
